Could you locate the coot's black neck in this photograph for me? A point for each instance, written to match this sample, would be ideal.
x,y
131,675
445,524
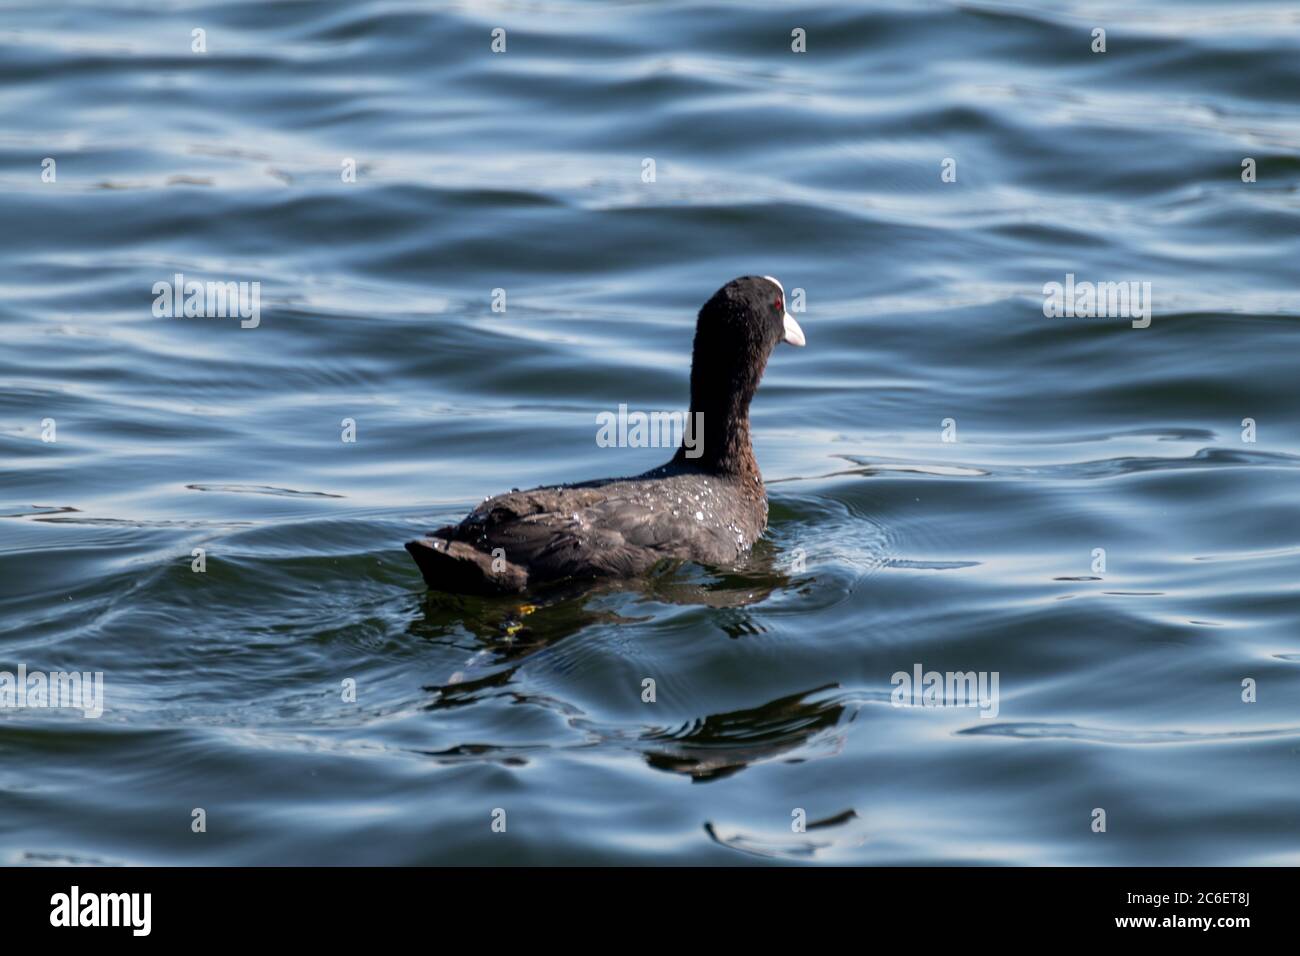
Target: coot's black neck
x,y
720,399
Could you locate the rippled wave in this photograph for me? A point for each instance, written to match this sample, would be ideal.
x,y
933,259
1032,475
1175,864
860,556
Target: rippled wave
x,y
1102,533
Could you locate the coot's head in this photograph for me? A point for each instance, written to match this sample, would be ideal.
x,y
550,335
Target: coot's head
x,y
746,318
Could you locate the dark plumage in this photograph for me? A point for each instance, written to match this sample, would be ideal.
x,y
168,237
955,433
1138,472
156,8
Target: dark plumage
x,y
709,508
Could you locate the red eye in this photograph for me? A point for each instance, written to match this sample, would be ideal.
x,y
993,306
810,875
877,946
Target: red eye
x,y
780,305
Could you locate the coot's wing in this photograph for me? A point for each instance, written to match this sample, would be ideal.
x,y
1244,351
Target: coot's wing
x,y
615,528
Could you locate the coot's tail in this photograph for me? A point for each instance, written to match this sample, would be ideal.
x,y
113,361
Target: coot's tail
x,y
458,568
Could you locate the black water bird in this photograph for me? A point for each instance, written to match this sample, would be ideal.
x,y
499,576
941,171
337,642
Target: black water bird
x,y
707,504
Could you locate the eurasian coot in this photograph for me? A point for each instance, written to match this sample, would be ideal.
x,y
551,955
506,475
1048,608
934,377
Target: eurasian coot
x,y
707,504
